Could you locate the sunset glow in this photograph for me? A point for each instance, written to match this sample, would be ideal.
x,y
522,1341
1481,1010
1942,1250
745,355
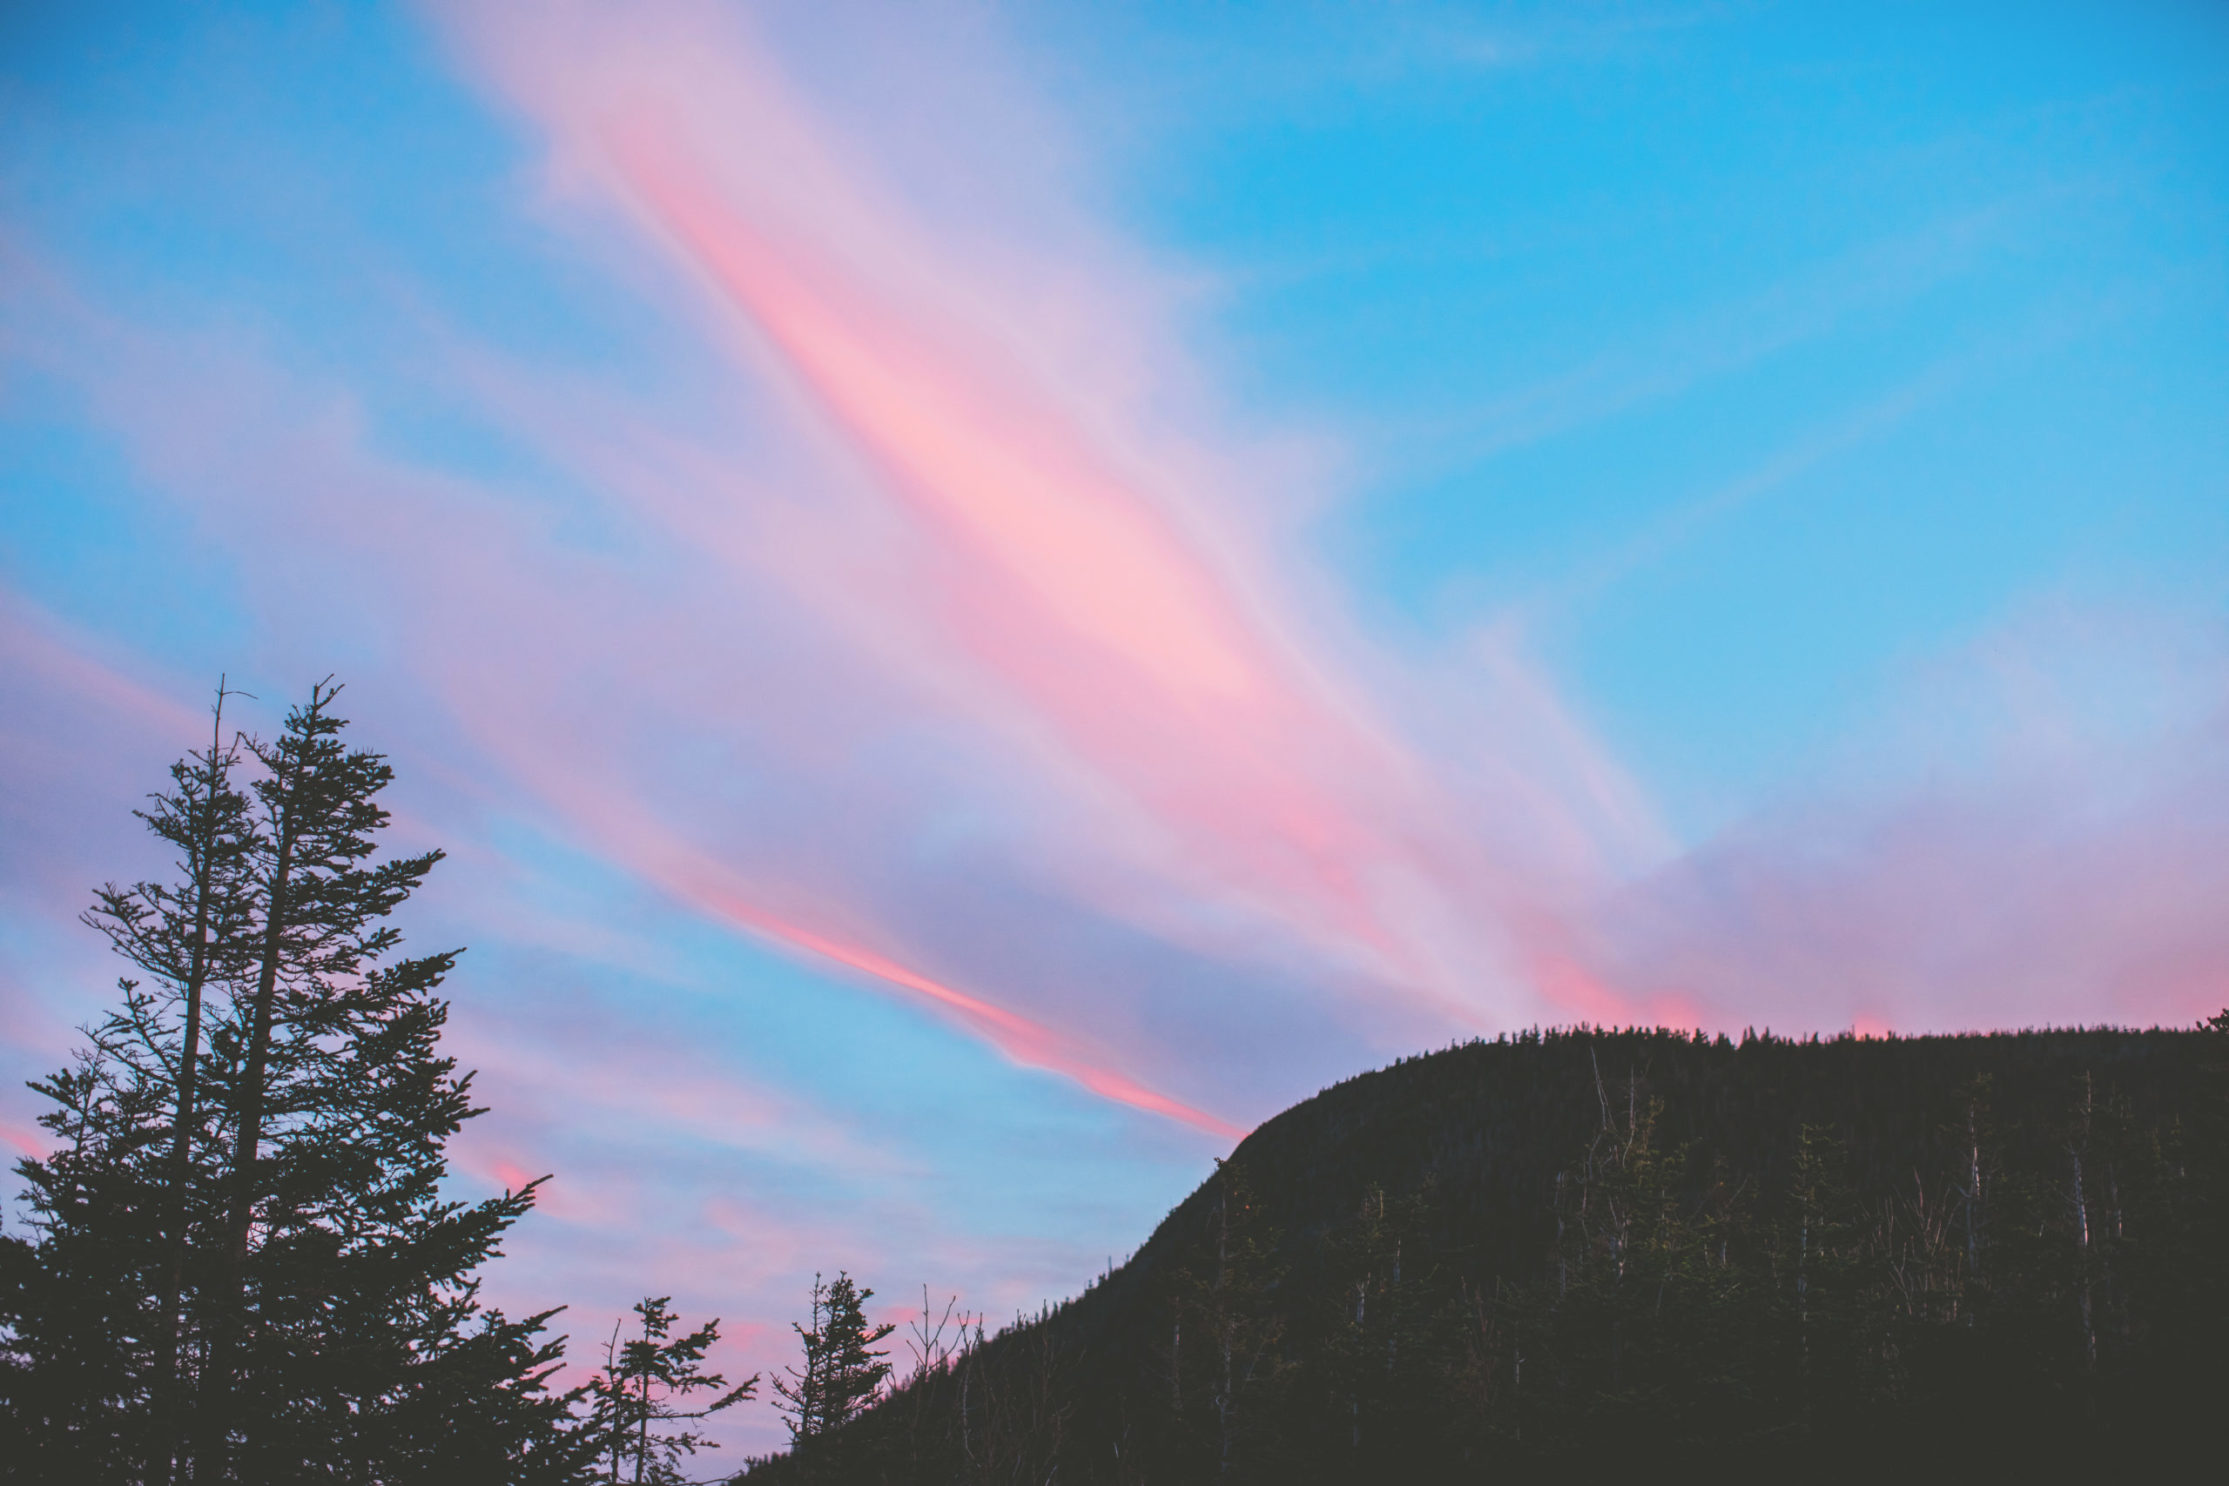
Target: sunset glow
x,y
982,599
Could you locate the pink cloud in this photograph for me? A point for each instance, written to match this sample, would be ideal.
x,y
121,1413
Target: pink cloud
x,y
35,643
991,534
957,513
1085,583
1026,1042
2038,833
925,573
26,1142
382,510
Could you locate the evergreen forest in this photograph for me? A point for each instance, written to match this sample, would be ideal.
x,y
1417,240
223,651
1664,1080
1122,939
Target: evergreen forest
x,y
1584,1255
1580,1253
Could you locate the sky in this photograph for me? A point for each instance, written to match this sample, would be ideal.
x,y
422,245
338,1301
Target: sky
x,y
983,597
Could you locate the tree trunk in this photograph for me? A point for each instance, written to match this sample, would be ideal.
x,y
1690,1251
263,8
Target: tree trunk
x,y
164,1452
642,1430
217,1400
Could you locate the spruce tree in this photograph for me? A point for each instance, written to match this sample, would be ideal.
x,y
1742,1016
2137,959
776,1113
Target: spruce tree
x,y
123,1204
321,926
188,937
843,1371
324,1323
636,1395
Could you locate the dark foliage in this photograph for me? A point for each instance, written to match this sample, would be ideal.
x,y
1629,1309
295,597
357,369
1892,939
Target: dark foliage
x,y
644,1387
1581,1253
842,1370
1608,1251
242,1267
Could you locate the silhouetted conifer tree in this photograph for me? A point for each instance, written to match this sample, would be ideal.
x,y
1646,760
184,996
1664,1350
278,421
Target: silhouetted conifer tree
x,y
131,1184
273,1101
186,936
843,1372
641,1389
1732,1260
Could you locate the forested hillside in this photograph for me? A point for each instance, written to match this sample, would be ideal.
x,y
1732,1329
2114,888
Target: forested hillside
x,y
1590,1252
1633,1248
241,1264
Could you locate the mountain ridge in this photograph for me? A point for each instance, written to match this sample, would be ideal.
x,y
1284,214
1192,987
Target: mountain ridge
x,y
1481,1161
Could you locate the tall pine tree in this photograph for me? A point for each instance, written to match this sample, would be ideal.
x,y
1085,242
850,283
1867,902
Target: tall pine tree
x,y
272,1104
843,1371
187,937
643,1387
123,1203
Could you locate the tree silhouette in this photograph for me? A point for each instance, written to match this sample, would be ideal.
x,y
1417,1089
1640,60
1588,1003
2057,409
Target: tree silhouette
x,y
842,1372
186,936
640,1389
1608,1255
242,1220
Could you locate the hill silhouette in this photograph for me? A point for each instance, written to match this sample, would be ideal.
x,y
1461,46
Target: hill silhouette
x,y
1613,1250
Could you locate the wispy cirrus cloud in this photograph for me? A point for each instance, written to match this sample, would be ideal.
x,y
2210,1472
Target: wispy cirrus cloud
x,y
2033,833
894,589
1078,584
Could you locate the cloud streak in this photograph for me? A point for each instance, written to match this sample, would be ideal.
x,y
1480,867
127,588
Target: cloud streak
x,y
2034,833
1094,598
886,584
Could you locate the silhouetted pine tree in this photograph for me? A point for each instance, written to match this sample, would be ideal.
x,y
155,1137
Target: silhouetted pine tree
x,y
126,1200
843,1371
187,936
1725,1258
327,1308
638,1392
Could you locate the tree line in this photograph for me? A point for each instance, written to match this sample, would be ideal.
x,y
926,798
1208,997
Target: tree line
x,y
1978,1255
1558,1251
239,1264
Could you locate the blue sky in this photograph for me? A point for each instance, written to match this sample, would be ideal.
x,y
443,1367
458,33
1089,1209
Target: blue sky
x,y
1961,267
984,597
